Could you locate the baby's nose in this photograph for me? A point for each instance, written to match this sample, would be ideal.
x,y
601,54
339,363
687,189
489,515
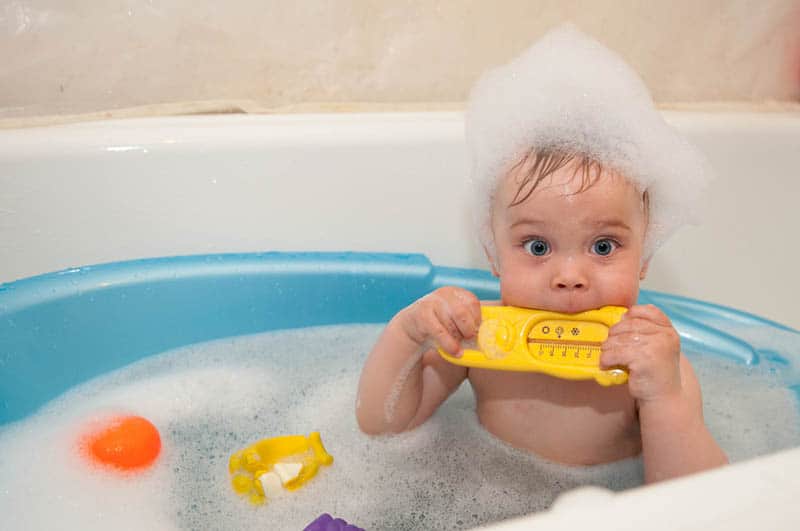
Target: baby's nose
x,y
570,277
569,284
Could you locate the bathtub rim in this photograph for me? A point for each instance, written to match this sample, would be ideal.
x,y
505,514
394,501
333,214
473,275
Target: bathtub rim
x,y
128,292
34,289
328,128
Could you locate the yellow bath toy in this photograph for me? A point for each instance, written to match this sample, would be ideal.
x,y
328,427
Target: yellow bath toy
x,y
288,461
558,344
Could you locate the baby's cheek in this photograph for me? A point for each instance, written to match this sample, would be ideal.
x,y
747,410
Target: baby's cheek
x,y
516,291
620,289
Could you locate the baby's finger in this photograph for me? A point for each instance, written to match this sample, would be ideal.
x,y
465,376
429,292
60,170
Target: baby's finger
x,y
465,321
612,361
632,319
444,314
442,339
445,331
635,337
473,306
634,327
615,354
465,310
648,312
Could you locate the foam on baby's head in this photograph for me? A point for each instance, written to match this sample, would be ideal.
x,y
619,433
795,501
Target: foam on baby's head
x,y
569,93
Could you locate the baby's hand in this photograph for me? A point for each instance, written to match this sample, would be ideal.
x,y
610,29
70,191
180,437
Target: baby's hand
x,y
646,342
444,317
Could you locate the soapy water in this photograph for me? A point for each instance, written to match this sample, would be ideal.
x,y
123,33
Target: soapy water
x,y
209,400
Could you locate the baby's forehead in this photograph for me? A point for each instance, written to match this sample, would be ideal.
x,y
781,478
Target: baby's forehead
x,y
518,184
564,199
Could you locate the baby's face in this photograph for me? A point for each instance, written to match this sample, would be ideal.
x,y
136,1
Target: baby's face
x,y
567,250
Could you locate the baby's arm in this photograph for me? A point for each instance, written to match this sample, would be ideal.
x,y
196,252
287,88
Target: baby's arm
x,y
675,439
404,379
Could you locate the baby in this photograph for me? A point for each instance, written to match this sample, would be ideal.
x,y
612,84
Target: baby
x,y
578,181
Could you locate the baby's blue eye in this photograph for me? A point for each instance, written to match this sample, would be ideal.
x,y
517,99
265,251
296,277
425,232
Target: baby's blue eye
x,y
537,247
603,247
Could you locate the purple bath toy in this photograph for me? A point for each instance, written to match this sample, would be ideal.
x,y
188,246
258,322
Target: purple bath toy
x,y
327,522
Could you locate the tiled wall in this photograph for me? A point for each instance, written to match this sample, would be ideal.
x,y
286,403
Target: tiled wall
x,y
80,56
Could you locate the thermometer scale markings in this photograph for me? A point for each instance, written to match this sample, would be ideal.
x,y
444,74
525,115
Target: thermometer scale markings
x,y
580,353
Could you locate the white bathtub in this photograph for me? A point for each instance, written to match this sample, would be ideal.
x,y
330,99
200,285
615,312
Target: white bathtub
x,y
107,191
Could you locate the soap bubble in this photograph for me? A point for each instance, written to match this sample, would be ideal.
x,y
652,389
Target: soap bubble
x,y
568,92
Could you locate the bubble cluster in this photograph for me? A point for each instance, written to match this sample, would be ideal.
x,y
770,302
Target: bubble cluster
x,y
568,92
213,399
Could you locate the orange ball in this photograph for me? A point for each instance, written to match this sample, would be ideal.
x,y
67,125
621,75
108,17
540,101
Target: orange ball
x,y
127,443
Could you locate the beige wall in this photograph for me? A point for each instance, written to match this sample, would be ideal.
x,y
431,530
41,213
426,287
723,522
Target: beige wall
x,y
82,56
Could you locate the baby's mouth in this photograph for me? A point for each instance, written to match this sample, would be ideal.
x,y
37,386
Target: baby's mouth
x,y
572,305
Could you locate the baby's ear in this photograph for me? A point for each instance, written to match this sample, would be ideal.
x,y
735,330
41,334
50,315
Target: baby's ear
x,y
643,271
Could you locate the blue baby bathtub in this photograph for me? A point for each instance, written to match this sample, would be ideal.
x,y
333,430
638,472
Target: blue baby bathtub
x,y
60,329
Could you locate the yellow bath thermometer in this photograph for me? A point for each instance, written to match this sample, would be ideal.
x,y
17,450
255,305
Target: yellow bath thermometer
x,y
562,345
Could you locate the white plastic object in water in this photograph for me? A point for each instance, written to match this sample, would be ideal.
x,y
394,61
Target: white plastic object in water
x,y
756,494
287,471
272,484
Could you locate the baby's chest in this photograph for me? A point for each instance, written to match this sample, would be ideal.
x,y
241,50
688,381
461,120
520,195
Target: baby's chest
x,y
546,414
540,388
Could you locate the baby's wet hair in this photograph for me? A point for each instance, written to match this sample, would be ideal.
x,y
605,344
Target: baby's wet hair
x,y
536,164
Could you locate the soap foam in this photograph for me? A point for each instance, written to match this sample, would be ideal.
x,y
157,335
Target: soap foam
x,y
569,92
212,399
